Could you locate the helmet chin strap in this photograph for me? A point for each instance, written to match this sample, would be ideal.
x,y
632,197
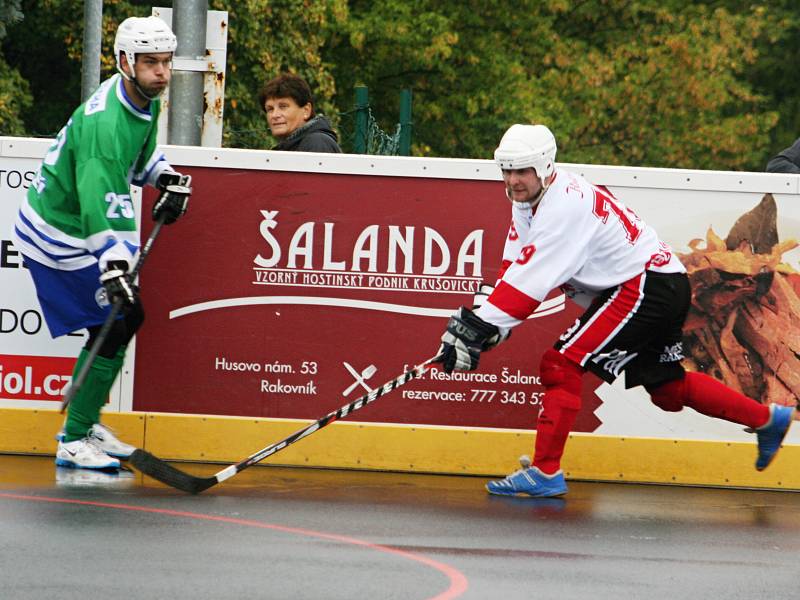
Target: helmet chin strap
x,y
533,202
136,83
142,92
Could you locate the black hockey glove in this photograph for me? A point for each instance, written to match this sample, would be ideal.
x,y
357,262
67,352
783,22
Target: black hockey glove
x,y
481,296
118,284
464,340
174,199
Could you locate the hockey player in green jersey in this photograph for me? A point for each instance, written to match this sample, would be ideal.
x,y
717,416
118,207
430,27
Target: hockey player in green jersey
x,y
77,229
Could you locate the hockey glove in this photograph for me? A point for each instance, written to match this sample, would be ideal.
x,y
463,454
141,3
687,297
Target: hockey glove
x,y
168,178
481,296
174,199
465,338
118,284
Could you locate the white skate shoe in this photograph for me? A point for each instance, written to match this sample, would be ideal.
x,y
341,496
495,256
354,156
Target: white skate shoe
x,y
84,454
108,442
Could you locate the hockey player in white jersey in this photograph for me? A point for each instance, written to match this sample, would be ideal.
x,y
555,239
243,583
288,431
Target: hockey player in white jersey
x,y
77,228
567,233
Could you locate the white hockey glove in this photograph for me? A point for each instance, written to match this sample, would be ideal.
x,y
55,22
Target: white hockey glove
x,y
464,340
118,284
174,199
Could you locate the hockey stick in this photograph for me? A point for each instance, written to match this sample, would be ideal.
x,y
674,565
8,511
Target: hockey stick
x,y
74,386
158,469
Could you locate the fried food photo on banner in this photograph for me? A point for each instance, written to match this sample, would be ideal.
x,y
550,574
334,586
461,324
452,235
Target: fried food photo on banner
x,y
744,326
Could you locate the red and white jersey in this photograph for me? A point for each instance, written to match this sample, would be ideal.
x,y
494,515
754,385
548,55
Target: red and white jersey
x,y
578,237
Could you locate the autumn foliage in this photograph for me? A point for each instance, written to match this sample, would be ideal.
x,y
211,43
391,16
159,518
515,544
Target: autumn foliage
x,y
663,83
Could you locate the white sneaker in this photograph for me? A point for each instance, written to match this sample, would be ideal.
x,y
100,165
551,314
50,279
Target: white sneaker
x,y
108,442
84,454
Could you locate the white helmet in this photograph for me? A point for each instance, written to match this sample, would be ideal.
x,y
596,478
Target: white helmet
x,y
524,146
137,35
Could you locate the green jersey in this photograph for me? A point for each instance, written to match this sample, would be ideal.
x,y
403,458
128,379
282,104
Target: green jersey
x,y
78,209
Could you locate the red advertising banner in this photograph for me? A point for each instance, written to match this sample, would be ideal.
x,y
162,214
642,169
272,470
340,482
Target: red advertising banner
x,y
34,377
291,294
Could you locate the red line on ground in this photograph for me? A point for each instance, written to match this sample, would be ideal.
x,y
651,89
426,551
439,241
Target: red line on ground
x,y
458,582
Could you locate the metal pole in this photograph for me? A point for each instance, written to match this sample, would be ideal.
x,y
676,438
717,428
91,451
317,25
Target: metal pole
x,y
92,38
406,124
362,115
186,88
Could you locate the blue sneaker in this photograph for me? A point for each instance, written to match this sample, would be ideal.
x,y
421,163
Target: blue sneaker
x,y
529,481
770,436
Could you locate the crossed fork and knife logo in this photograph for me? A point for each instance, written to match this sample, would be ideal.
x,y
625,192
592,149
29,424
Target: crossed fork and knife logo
x,y
360,378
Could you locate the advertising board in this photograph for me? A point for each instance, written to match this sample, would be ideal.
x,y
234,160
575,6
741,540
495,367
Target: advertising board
x,y
298,282
34,368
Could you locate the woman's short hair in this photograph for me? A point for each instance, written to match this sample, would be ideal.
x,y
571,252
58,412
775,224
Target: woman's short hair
x,y
287,85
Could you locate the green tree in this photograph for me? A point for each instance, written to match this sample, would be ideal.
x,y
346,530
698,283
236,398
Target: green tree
x,y
667,83
620,82
264,38
47,53
774,72
14,92
670,91
10,12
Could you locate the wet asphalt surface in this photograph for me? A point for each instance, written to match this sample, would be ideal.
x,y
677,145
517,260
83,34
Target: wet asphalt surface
x,y
273,532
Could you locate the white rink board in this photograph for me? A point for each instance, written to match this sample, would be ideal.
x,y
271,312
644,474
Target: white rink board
x,y
680,204
23,331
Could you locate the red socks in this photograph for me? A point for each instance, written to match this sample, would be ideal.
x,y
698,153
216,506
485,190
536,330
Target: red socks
x,y
712,398
559,410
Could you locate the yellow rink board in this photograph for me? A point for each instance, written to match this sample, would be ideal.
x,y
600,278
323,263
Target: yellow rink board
x,y
417,448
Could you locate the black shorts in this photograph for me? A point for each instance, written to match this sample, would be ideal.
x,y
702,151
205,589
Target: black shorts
x,y
635,327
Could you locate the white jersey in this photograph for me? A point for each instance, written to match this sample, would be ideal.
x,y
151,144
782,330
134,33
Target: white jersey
x,y
579,237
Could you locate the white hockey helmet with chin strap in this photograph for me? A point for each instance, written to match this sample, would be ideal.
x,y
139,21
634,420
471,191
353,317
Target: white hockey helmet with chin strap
x,y
524,146
142,35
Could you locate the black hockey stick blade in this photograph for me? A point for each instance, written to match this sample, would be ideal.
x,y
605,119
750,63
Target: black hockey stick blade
x,y
165,473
